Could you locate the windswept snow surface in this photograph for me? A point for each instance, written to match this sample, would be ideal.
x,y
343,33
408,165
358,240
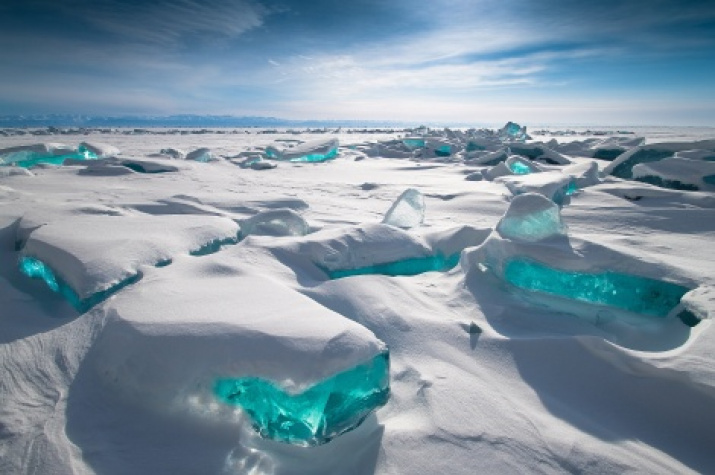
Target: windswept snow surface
x,y
489,372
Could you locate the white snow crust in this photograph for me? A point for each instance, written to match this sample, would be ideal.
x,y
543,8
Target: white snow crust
x,y
484,379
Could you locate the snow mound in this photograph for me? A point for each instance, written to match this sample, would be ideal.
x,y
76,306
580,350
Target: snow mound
x,y
94,253
168,343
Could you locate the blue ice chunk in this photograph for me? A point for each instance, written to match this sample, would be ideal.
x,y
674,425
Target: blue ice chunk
x,y
311,152
519,168
412,143
408,211
513,132
405,267
37,269
443,151
628,292
531,217
203,155
51,154
709,179
318,414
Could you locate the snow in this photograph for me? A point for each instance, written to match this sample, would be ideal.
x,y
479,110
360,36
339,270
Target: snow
x,y
488,374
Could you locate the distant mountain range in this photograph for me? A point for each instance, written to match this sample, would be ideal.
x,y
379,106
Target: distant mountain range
x,y
184,120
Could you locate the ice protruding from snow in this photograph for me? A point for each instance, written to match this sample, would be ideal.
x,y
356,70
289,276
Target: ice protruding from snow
x,y
554,185
677,174
174,153
490,159
27,156
95,150
537,151
584,174
622,167
531,217
408,211
513,132
635,294
275,222
318,414
312,151
414,142
94,253
522,166
14,171
203,155
201,322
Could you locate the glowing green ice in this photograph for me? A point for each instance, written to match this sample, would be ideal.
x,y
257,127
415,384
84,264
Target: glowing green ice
x,y
443,151
407,267
36,269
214,246
628,292
316,415
414,143
519,168
709,179
317,157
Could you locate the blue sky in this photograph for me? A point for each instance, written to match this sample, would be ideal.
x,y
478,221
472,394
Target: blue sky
x,y
628,62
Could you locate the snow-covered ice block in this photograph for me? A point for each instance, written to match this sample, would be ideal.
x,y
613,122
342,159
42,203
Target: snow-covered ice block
x,y
149,166
414,142
408,211
522,166
312,151
536,151
490,159
531,217
92,254
96,150
203,332
276,222
554,185
202,154
44,153
584,174
622,166
173,153
677,174
497,171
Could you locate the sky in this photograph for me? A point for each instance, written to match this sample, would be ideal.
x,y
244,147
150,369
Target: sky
x,y
609,62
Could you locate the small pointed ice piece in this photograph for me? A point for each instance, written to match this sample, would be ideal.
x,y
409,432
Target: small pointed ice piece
x,y
522,166
531,217
408,211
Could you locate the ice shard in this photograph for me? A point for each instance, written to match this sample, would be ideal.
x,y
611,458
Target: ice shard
x,y
677,174
316,415
513,132
408,211
628,292
521,166
531,217
313,151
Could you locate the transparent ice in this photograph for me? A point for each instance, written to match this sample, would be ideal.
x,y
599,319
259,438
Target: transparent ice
x,y
408,211
531,217
629,292
316,415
